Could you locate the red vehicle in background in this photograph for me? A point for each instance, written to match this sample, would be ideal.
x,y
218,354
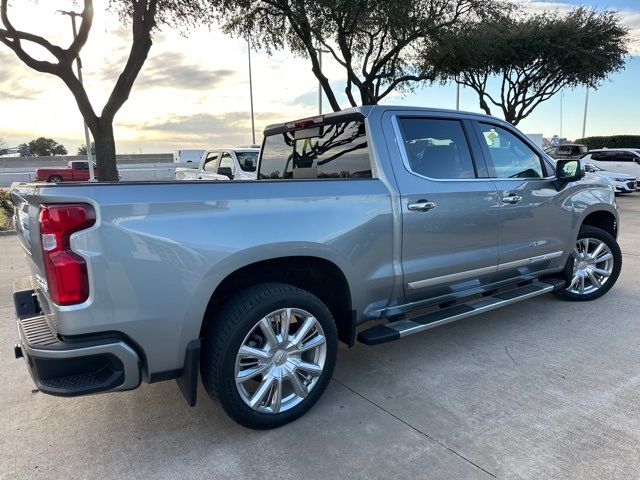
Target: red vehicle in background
x,y
76,171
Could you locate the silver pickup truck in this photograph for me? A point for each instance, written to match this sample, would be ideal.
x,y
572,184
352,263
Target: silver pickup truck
x,y
409,217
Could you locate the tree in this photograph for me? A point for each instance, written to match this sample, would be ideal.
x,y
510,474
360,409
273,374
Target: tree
x,y
24,150
533,57
45,147
143,16
374,41
82,150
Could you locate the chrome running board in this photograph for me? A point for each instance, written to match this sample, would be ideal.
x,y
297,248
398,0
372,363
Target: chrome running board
x,y
401,328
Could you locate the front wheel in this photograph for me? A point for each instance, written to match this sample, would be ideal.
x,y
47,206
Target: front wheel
x,y
593,267
269,354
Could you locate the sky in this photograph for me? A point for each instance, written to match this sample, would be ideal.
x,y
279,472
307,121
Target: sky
x,y
194,90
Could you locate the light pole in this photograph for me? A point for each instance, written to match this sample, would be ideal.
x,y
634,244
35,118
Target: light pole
x,y
457,95
87,137
586,106
253,124
320,52
561,102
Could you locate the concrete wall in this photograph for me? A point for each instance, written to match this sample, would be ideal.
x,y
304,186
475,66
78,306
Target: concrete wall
x,y
61,161
128,172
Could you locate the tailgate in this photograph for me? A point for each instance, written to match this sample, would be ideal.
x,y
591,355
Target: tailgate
x,y
27,203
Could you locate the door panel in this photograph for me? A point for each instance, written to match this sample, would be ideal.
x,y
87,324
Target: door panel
x,y
449,225
534,227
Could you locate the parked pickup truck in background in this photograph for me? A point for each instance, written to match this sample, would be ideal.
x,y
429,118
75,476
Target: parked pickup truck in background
x,y
238,163
413,216
76,171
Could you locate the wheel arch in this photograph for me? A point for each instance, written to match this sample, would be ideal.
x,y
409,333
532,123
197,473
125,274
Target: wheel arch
x,y
602,219
318,275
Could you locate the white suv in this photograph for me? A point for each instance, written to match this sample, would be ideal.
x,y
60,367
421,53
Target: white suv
x,y
623,160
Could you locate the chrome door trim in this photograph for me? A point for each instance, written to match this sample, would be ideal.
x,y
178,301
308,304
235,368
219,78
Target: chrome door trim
x,y
529,261
483,271
452,277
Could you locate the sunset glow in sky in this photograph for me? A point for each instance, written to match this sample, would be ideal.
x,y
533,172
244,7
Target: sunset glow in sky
x,y
194,91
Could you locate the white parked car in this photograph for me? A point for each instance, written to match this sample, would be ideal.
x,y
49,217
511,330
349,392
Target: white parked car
x,y
622,160
621,182
238,163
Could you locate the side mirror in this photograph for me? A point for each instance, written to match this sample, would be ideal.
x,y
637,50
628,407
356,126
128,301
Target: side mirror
x,y
226,171
569,171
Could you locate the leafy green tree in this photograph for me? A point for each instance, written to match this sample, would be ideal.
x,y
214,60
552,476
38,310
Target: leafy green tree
x,y
374,41
46,147
82,150
531,57
144,17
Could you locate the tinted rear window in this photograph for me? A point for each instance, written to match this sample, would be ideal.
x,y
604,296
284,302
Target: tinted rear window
x,y
437,148
338,151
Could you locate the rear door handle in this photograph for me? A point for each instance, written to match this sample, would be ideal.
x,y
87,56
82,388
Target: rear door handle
x,y
511,199
421,206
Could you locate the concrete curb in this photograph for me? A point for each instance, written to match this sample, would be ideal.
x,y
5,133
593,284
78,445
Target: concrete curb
x,y
7,233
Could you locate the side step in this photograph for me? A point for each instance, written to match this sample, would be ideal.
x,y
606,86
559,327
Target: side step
x,y
402,328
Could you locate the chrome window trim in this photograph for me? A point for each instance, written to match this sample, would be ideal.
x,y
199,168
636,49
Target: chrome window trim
x,y
483,271
405,157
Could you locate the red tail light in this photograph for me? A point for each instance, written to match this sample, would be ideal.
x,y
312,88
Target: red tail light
x,y
66,271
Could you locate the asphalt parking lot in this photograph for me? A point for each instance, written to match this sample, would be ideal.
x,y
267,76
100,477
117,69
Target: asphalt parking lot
x,y
541,389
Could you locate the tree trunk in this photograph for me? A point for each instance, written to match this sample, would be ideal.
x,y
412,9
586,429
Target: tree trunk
x,y
105,152
484,105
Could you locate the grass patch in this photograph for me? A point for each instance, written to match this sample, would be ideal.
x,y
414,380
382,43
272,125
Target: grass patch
x,y
6,210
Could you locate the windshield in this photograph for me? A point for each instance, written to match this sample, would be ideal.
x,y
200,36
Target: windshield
x,y
583,149
247,160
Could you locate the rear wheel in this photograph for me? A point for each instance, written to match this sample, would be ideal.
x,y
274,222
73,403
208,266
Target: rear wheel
x,y
55,179
594,266
269,355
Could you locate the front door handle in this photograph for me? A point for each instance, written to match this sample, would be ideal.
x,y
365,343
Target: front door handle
x,y
421,206
511,199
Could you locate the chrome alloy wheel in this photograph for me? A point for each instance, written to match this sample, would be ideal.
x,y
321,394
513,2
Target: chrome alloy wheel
x,y
280,360
592,266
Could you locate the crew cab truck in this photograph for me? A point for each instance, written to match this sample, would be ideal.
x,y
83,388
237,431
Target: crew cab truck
x,y
239,163
76,171
415,216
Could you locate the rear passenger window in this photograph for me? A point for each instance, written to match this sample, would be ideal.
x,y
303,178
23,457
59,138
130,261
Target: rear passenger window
x,y
336,150
437,148
511,157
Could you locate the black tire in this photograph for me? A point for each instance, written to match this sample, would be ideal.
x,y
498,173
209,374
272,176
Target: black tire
x,y
592,232
225,333
55,179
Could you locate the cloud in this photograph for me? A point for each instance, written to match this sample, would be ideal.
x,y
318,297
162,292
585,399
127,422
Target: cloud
x,y
171,69
14,85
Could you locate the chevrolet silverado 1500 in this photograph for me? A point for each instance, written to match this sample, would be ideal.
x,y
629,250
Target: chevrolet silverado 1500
x,y
416,217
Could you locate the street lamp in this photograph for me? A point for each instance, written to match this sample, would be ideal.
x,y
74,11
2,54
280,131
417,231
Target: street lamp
x,y
253,123
320,52
586,106
87,137
561,102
